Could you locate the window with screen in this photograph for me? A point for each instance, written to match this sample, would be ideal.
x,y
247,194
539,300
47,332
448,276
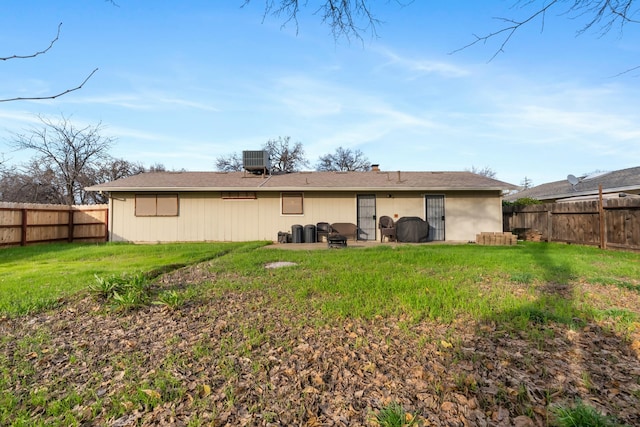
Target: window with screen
x,y
157,205
292,204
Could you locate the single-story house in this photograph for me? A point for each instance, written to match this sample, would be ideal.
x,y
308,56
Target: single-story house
x,y
245,206
619,183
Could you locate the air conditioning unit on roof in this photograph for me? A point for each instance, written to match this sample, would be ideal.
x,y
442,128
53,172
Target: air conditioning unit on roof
x,y
256,161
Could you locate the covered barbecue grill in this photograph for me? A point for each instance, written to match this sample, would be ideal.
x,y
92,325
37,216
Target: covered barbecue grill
x,y
412,229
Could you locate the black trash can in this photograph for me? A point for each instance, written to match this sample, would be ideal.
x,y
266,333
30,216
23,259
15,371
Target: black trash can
x,y
296,234
322,231
310,233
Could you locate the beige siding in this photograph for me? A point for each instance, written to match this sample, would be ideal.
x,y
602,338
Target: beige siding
x,y
208,217
468,214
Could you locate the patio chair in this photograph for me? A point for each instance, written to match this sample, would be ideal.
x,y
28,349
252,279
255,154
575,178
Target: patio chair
x,y
387,228
346,229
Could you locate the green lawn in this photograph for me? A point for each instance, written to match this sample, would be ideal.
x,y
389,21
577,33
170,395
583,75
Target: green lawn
x,y
419,281
231,331
440,282
33,278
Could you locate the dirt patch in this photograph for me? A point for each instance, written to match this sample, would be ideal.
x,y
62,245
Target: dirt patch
x,y
241,358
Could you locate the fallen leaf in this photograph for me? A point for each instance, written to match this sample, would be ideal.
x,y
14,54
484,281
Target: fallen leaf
x,y
151,393
205,390
369,367
310,390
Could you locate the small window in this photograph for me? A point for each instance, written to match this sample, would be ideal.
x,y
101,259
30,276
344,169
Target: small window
x,y
239,195
292,204
156,205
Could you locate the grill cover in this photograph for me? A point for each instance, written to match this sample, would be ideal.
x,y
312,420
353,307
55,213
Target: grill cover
x,y
412,229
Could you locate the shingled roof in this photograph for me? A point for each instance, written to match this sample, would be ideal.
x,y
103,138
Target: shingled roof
x,y
624,180
304,181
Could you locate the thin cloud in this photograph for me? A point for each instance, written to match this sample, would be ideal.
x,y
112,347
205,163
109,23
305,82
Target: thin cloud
x,y
548,125
143,101
423,66
308,97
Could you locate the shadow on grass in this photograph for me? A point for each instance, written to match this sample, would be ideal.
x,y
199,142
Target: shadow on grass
x,y
568,358
555,295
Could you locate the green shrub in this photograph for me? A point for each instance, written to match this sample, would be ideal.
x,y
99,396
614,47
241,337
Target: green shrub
x,y
170,299
582,415
125,292
524,201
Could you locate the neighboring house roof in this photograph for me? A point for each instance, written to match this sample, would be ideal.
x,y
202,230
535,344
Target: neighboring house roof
x,y
304,181
620,181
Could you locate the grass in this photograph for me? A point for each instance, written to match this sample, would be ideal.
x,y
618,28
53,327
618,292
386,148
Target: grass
x,y
394,415
522,288
436,282
582,415
522,285
35,278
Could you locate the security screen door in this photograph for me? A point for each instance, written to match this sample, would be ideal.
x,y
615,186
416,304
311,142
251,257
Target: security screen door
x,y
366,217
435,216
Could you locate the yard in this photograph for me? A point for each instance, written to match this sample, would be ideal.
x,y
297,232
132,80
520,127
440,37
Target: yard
x,y
209,334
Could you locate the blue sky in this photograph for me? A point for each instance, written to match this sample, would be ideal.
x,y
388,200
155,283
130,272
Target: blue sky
x,y
182,83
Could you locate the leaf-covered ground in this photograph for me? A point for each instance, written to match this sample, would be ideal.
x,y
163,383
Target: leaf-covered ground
x,y
239,358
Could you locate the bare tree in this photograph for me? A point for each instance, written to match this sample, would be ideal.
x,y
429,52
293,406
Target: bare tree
x,y
485,171
526,183
38,182
107,170
344,160
34,183
156,167
67,150
286,158
230,163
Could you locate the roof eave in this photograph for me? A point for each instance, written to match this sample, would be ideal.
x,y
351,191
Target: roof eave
x,y
586,192
291,188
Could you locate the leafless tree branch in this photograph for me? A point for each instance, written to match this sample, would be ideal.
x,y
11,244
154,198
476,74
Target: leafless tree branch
x,y
511,28
33,55
345,18
602,15
627,71
33,98
42,52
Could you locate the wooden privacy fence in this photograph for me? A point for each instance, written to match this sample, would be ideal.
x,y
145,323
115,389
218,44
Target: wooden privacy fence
x,y
613,223
23,224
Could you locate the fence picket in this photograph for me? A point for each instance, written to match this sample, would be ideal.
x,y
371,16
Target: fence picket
x,y
616,223
27,223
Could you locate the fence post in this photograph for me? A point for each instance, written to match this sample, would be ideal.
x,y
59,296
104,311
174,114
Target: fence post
x,y
70,237
106,224
23,231
549,224
603,233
